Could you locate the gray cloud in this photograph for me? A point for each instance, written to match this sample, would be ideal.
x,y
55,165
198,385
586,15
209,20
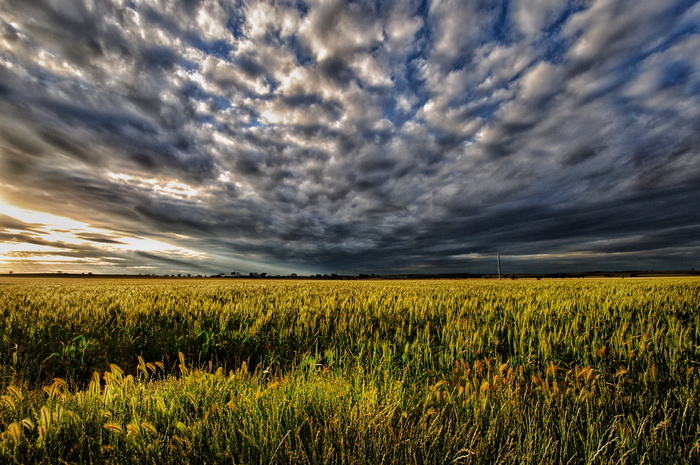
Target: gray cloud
x,y
358,137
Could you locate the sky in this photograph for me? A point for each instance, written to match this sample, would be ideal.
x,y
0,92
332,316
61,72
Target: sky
x,y
213,136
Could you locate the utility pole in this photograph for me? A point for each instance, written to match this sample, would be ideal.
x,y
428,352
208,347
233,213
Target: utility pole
x,y
498,256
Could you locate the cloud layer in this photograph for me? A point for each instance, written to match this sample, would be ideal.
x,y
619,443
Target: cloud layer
x,y
350,137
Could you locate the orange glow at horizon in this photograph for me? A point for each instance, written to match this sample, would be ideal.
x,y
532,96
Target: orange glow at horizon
x,y
51,240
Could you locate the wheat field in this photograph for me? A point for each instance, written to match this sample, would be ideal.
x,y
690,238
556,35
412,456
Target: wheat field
x,y
229,371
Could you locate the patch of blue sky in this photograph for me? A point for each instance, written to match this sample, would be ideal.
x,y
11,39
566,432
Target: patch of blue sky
x,y
681,6
193,91
676,73
629,64
675,36
218,48
301,7
236,24
272,83
189,66
500,31
553,44
220,103
423,39
304,58
254,123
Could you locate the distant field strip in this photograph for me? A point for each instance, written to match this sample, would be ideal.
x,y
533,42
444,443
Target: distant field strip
x,y
580,371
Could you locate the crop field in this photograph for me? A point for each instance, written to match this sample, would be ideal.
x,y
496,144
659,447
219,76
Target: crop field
x,y
229,371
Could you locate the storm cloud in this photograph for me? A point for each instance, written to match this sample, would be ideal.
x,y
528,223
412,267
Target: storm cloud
x,y
348,137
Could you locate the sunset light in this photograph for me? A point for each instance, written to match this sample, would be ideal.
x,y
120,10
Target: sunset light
x,y
49,241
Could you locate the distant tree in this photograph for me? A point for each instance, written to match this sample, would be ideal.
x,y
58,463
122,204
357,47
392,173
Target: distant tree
x,y
293,275
11,272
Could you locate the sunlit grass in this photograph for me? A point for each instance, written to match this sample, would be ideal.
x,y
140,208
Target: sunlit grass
x,y
229,371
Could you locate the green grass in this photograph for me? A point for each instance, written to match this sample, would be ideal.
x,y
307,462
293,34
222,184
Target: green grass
x,y
267,372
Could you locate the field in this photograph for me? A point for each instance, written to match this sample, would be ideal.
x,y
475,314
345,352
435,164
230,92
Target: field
x,y
341,372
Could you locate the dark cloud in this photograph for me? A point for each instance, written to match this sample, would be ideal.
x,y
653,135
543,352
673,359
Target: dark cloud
x,y
161,58
7,222
99,239
356,137
65,144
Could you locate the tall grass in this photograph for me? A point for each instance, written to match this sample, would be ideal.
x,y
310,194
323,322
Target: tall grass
x,y
226,371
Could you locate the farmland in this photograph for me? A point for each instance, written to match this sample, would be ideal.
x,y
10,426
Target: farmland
x,y
339,372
